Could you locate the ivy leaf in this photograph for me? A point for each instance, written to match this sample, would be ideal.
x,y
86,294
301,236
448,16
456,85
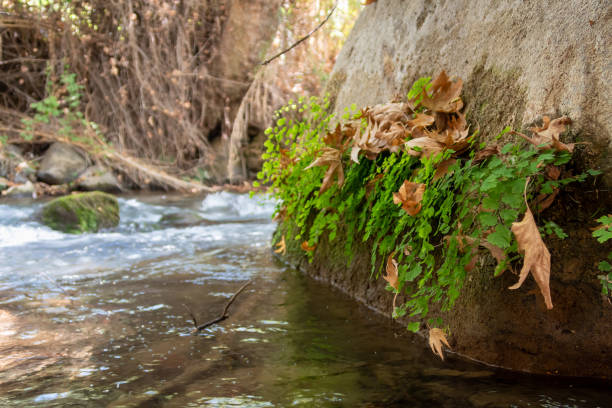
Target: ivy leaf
x,y
437,339
537,257
410,196
500,237
487,219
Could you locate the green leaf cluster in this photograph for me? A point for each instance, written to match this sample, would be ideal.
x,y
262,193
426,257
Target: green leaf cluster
x,y
475,199
603,234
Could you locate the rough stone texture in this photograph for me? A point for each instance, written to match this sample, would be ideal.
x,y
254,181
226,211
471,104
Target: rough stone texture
x,y
61,164
98,178
82,212
519,60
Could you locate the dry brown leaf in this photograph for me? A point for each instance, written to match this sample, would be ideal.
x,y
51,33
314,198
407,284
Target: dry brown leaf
x,y
307,247
426,146
330,157
548,134
420,120
392,276
485,153
437,339
445,95
442,168
281,246
368,2
537,257
496,252
410,196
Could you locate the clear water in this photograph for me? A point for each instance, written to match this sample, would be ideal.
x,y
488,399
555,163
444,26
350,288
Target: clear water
x,y
99,320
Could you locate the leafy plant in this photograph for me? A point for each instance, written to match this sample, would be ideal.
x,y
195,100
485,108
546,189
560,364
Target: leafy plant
x,y
60,111
426,197
603,233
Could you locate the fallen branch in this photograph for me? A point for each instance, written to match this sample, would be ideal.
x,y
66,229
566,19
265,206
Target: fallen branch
x,y
219,318
301,40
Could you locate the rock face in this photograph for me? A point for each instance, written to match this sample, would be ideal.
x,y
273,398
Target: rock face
x,y
61,164
519,60
98,178
83,212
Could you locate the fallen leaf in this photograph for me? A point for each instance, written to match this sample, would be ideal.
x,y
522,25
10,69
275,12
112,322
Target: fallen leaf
x,y
330,157
485,153
308,248
425,146
281,246
442,168
437,339
444,96
548,134
368,2
392,276
537,257
410,196
420,120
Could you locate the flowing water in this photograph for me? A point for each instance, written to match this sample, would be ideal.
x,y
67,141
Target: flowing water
x,y
101,320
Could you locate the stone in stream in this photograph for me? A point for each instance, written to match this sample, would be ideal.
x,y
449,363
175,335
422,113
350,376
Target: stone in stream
x,y
82,212
98,178
181,219
61,164
26,189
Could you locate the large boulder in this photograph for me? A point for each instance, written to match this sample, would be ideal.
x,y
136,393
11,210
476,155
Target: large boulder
x,y
519,61
61,164
82,212
98,178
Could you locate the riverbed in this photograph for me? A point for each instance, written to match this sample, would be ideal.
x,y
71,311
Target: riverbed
x,y
103,320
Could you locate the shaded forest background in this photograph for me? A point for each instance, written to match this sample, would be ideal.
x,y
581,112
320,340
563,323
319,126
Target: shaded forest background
x,y
177,84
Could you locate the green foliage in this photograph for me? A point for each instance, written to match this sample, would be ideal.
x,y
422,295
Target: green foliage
x,y
61,110
603,233
473,203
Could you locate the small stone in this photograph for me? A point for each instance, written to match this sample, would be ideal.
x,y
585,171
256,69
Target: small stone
x,y
98,178
61,164
21,190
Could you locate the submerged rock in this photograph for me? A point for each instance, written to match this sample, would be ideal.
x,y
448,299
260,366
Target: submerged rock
x,y
61,164
98,178
182,219
83,212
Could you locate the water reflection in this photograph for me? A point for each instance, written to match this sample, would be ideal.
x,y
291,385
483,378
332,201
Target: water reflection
x,y
109,327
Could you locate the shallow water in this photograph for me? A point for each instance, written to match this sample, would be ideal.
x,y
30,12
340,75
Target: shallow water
x,y
100,320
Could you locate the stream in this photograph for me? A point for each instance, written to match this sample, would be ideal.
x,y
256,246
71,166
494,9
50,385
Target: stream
x,y
101,320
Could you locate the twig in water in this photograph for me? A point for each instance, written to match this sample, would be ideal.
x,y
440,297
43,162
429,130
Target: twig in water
x,y
222,316
301,40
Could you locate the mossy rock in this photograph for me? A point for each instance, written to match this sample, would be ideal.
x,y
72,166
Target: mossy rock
x,y
84,212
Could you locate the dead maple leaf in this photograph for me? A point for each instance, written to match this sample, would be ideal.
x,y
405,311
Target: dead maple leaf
x,y
281,246
333,158
547,135
368,2
307,247
442,168
392,276
445,95
485,153
437,339
410,196
537,257
425,146
420,120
